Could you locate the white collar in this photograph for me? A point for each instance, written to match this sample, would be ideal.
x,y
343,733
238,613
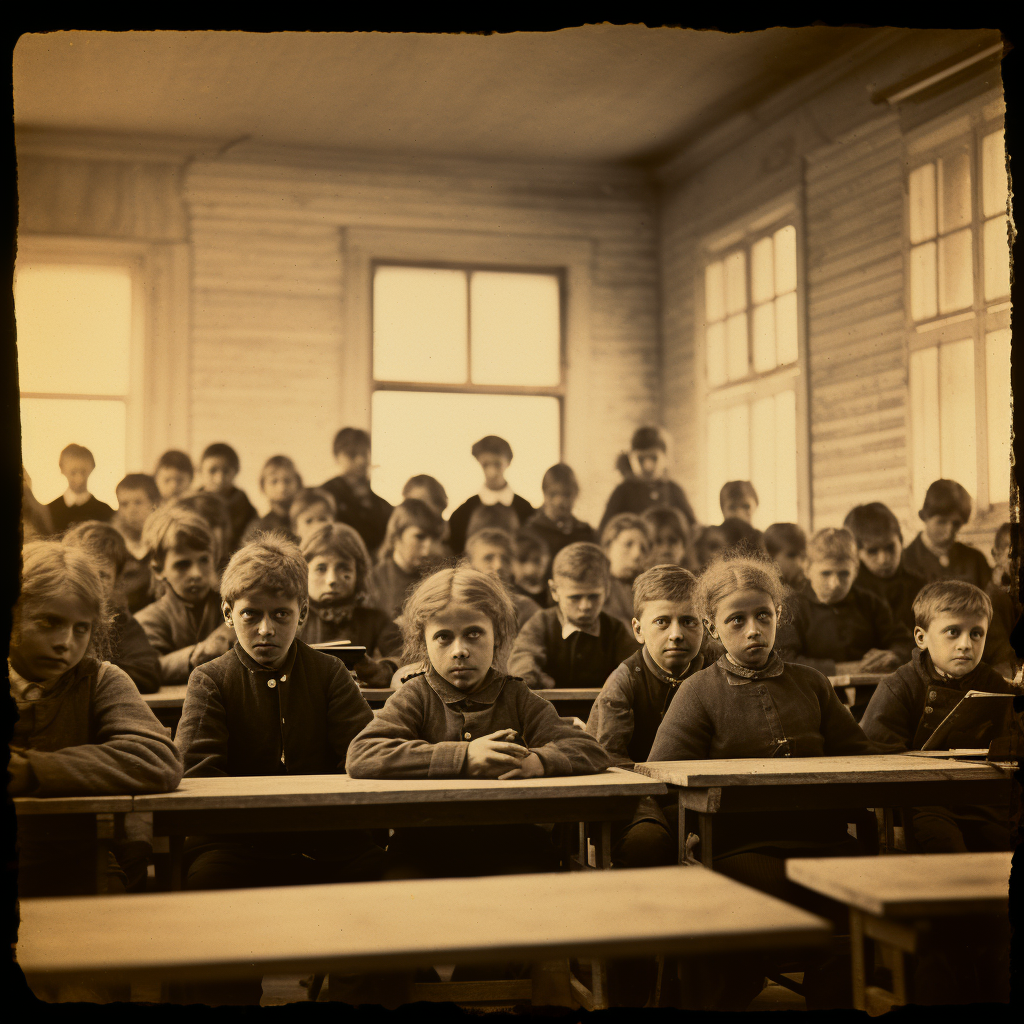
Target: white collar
x,y
71,499
568,628
20,687
502,497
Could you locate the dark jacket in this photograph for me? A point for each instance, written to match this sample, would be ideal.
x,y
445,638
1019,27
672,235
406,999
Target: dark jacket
x,y
898,591
62,517
424,730
965,563
542,659
636,496
367,514
132,652
241,511
557,538
458,522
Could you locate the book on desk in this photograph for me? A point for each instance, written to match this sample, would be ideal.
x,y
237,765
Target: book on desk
x,y
351,654
976,713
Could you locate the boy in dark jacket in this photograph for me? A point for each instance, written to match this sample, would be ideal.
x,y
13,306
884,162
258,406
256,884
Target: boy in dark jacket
x,y
76,504
217,471
357,505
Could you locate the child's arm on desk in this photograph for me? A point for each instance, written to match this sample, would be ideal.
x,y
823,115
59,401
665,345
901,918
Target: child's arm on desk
x,y
611,717
529,657
561,749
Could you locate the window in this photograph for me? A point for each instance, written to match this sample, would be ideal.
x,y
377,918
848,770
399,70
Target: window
x,y
752,365
959,284
75,363
460,352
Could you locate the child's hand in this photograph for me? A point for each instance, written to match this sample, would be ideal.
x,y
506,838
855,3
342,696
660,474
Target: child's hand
x,y
490,755
531,767
217,643
880,661
371,673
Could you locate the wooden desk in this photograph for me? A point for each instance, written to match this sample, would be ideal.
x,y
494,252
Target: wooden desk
x,y
742,785
385,926
892,900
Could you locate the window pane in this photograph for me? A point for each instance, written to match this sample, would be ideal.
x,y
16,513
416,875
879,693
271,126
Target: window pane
x,y
924,419
923,299
515,326
954,191
762,270
718,462
764,337
922,203
997,377
957,412
736,282
764,443
714,292
786,329
715,354
737,358
785,260
785,459
419,325
993,174
997,258
737,430
50,424
446,426
74,328
956,272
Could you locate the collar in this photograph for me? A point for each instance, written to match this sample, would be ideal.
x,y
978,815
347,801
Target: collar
x,y
772,667
943,560
487,694
568,628
660,674
21,688
261,672
502,497
922,662
336,613
73,500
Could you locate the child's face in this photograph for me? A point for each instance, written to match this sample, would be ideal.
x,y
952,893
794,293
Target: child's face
x,y
412,547
280,486
627,554
580,601
77,472
332,578
669,548
265,623
831,579
171,482
52,638
460,645
791,562
740,508
107,573
671,631
216,475
955,641
712,540
648,463
494,467
941,531
558,502
188,572
355,464
493,560
881,555
309,519
134,508
1001,555
745,622
530,572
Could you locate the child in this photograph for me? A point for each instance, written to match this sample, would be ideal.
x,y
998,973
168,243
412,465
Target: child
x,y
627,545
279,482
738,500
338,569
184,626
137,499
311,508
217,471
573,644
531,561
495,456
834,626
491,551
271,706
36,523
429,490
786,543
83,729
357,505
649,484
554,521
213,510
740,535
404,556
710,542
173,475
76,504
670,535
128,647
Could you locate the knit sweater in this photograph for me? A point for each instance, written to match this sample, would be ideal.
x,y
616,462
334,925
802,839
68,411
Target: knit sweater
x,y
62,516
173,628
554,536
542,659
424,730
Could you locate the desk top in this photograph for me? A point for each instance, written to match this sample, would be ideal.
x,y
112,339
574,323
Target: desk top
x,y
801,771
388,925
72,804
261,791
906,885
860,679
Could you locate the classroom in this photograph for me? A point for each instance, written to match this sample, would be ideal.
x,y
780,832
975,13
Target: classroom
x,y
514,520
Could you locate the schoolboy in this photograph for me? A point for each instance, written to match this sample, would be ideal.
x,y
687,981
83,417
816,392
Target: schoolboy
x,y
786,543
357,505
311,508
271,706
217,471
428,489
738,500
405,556
279,482
710,541
738,533
495,456
213,510
554,520
835,626
492,552
627,546
184,626
649,483
573,644
173,475
531,560
670,536
76,504
137,499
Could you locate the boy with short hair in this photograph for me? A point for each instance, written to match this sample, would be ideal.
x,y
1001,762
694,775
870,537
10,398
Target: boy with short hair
x,y
280,482
573,644
710,541
738,500
495,456
627,546
137,499
76,504
173,475
357,505
786,543
531,561
492,552
184,626
217,471
835,626
554,520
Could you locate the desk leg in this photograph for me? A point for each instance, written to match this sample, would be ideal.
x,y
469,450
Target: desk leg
x,y
105,826
857,959
583,858
705,841
604,854
899,976
177,847
890,835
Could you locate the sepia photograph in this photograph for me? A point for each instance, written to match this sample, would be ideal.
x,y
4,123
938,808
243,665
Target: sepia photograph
x,y
513,522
